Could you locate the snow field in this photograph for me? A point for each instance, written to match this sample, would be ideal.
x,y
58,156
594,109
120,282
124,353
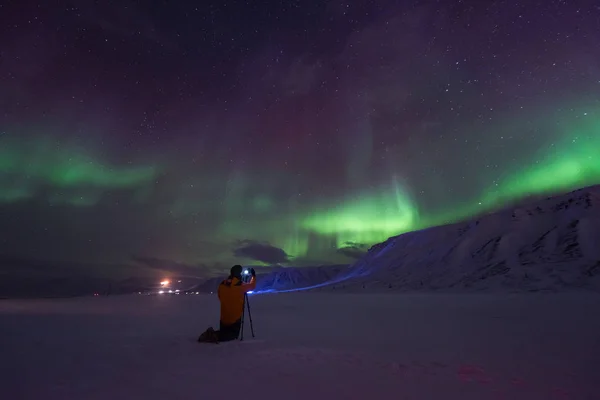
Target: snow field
x,y
308,345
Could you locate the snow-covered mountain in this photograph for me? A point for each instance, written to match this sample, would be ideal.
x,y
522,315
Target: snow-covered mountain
x,y
549,244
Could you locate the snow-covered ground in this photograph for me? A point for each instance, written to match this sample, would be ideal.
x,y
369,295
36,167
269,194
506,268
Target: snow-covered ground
x,y
308,345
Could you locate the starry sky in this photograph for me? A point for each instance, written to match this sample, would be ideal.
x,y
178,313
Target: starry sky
x,y
205,133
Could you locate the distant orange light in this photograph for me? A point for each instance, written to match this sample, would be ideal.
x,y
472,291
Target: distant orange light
x,y
164,283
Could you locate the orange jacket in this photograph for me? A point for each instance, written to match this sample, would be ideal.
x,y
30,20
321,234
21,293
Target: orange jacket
x,y
231,295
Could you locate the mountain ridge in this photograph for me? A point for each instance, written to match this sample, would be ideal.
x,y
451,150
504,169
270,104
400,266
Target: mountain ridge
x,y
546,244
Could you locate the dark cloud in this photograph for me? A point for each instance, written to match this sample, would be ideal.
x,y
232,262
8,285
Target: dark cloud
x,y
353,250
260,251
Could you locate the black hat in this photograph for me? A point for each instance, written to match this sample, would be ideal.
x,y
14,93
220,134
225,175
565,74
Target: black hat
x,y
236,271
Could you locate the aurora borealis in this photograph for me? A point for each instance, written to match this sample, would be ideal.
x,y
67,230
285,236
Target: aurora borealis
x,y
296,133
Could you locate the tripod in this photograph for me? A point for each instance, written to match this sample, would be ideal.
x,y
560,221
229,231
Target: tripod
x,y
246,304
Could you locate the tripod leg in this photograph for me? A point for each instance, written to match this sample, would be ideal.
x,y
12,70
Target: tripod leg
x,y
250,315
242,328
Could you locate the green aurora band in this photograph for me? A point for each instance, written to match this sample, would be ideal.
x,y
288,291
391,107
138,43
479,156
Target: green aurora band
x,y
61,174
568,164
27,169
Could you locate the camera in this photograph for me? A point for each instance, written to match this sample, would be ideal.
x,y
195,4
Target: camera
x,y
246,275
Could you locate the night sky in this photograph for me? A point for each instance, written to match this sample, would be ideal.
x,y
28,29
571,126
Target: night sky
x,y
290,132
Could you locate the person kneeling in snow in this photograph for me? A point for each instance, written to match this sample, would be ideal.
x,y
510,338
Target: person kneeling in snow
x,y
232,295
